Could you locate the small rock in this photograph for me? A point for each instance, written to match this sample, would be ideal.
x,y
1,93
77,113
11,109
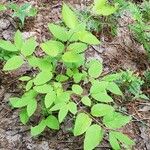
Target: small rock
x,y
4,24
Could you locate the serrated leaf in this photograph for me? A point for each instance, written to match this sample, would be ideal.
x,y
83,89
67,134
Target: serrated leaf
x,y
77,47
29,47
49,99
72,107
77,89
87,37
113,141
52,48
19,102
24,116
71,57
24,78
93,137
69,17
62,113
114,88
31,107
18,40
95,68
38,129
52,122
29,85
99,110
13,63
86,101
8,46
82,123
115,120
43,77
59,32
46,88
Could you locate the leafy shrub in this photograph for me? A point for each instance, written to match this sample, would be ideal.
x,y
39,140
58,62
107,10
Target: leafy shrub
x,y
2,7
64,82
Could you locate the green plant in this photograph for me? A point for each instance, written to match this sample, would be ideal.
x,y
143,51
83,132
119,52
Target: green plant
x,y
131,84
100,16
2,7
21,12
65,83
140,28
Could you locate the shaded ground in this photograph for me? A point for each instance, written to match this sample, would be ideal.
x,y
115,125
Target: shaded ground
x,y
122,52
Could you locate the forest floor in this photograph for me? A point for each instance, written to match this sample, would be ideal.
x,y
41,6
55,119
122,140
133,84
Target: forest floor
x,y
118,53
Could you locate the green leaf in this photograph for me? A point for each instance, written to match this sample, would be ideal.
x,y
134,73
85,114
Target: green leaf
x,y
13,63
62,113
58,32
46,88
77,77
77,47
61,78
86,101
113,87
113,141
88,38
98,87
29,85
62,97
18,40
102,97
77,89
112,77
124,139
31,107
8,46
43,77
101,7
69,17
29,47
72,107
82,123
115,120
25,78
38,129
19,102
52,48
2,7
93,137
71,57
49,99
58,106
99,110
52,122
24,116
95,68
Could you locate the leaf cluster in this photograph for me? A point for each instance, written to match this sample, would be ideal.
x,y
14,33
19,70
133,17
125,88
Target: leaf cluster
x,y
60,85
